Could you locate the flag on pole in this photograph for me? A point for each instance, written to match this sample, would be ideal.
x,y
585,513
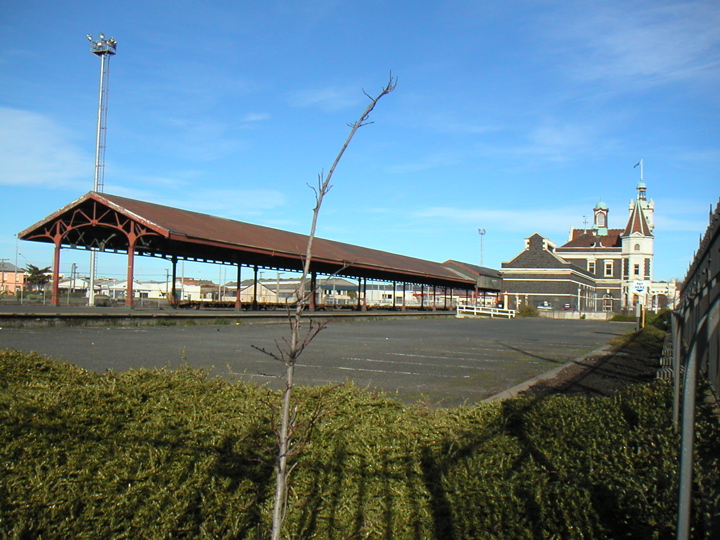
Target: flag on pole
x,y
638,163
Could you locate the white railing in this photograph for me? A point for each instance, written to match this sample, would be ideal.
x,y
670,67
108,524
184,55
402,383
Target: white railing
x,y
484,311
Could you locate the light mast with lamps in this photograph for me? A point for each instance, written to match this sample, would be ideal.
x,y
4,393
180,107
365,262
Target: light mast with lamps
x,y
104,48
481,232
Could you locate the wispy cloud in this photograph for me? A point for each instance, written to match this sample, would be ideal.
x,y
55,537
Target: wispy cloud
x,y
238,204
34,150
429,162
453,123
252,118
144,187
199,138
681,214
648,42
524,221
329,98
552,140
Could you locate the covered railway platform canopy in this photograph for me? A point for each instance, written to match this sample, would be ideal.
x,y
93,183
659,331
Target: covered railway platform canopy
x,y
109,223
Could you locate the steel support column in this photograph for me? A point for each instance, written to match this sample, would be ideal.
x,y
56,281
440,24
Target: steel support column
x,y
238,299
364,304
313,291
130,272
173,290
55,298
255,283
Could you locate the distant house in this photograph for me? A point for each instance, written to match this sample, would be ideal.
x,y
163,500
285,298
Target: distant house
x,y
334,290
185,289
12,278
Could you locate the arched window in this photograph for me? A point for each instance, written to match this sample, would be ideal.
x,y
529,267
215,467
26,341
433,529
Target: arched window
x,y
637,247
600,219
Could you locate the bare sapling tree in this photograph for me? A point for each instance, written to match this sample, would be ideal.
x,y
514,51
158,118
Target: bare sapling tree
x,y
290,349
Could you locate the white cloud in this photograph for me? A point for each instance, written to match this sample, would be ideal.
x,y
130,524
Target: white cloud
x,y
230,203
34,150
453,123
200,138
254,117
551,140
643,42
524,221
432,161
330,98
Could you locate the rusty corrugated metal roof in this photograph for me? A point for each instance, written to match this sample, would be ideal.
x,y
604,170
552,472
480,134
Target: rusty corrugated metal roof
x,y
188,234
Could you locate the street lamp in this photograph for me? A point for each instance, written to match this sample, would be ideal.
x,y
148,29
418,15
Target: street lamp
x,y
22,286
104,48
17,247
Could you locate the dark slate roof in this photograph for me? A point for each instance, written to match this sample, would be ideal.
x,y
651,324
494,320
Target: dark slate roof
x,y
587,238
536,255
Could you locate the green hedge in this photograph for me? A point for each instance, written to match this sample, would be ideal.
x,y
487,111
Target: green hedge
x,y
175,454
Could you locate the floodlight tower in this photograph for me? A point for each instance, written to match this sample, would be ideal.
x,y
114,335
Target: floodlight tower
x,y
104,48
481,232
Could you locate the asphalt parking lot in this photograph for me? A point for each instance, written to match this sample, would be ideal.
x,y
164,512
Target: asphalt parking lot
x,y
443,360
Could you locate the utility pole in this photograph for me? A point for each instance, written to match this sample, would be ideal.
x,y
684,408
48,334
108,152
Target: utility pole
x,y
2,269
104,48
16,264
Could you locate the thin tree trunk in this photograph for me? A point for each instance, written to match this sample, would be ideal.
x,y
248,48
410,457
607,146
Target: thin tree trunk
x,y
295,345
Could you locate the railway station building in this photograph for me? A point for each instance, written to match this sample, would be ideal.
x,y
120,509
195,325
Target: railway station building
x,y
597,269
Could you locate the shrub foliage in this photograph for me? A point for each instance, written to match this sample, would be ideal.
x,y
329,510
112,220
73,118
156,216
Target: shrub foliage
x,y
175,454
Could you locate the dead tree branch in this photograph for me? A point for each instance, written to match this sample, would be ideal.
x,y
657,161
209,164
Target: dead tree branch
x,y
296,345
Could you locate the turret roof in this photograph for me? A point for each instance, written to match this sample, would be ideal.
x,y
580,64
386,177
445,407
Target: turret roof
x,y
637,223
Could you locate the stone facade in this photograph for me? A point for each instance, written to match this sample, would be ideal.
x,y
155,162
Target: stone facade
x,y
539,277
597,269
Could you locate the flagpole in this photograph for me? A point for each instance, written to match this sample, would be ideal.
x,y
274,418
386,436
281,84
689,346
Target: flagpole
x,y
642,172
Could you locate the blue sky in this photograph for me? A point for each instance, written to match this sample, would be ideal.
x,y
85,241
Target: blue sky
x,y
515,117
